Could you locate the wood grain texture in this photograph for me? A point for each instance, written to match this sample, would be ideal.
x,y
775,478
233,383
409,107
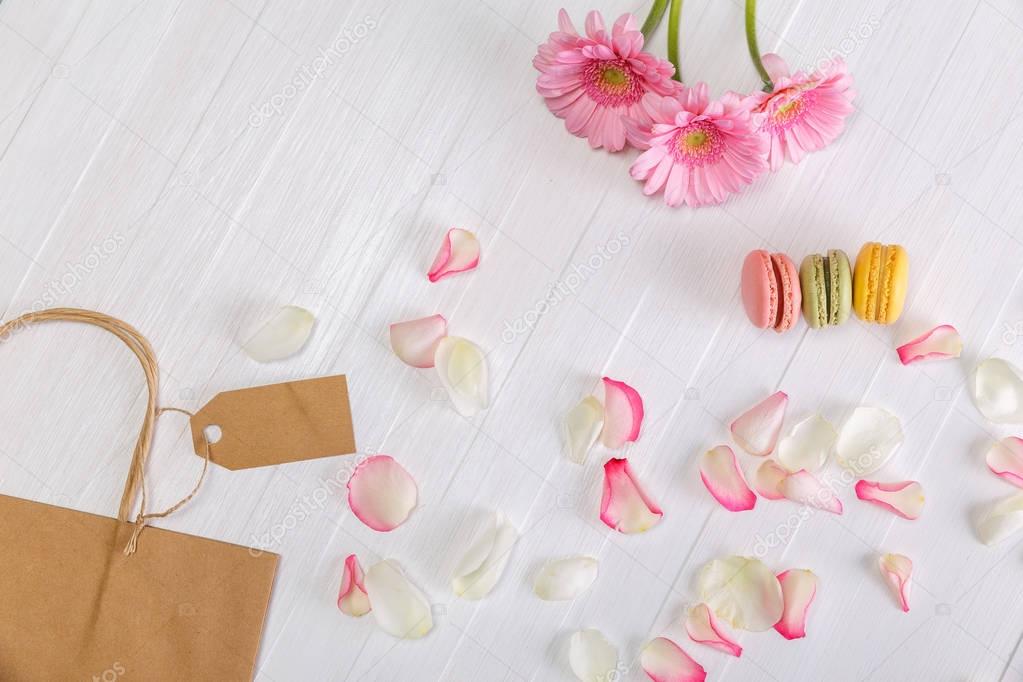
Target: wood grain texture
x,y
190,166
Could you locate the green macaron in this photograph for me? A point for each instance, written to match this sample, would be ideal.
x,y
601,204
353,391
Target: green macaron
x,y
826,282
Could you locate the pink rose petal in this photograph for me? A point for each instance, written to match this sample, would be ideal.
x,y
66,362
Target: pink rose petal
x,y
381,493
624,506
720,472
664,661
704,628
459,252
623,414
415,341
768,478
897,570
905,498
756,430
804,488
798,588
1005,459
352,598
941,342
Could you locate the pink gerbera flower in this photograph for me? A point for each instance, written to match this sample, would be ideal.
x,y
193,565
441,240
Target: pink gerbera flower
x,y
697,150
805,112
593,81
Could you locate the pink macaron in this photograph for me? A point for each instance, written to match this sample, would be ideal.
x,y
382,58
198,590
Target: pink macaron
x,y
770,290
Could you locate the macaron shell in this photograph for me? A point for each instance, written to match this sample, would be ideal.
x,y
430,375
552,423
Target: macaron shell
x,y
791,292
865,281
811,277
894,284
760,295
842,287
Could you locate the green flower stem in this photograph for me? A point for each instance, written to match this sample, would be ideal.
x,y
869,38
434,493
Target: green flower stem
x,y
653,20
674,19
751,43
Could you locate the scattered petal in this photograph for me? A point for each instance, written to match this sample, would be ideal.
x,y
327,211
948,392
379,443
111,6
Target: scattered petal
x,y
484,562
1002,519
808,444
565,579
624,506
767,480
868,439
281,336
664,661
381,493
720,472
591,656
798,588
897,570
703,627
459,252
1005,458
941,342
399,608
463,371
582,427
997,389
415,342
352,598
905,498
756,430
805,488
623,414
743,592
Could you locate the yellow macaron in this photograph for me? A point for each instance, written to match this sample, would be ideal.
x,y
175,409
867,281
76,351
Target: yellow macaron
x,y
880,280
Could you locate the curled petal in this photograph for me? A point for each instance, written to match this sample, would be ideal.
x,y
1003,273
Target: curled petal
x,y
743,592
462,367
941,342
415,341
485,561
756,430
905,498
703,627
997,390
399,608
624,505
1005,458
459,252
775,65
664,661
565,579
591,656
798,588
352,598
1002,519
720,472
868,440
582,427
897,570
808,444
281,336
381,493
623,414
804,488
768,478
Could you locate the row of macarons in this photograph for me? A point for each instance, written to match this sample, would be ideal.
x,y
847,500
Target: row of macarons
x,y
825,287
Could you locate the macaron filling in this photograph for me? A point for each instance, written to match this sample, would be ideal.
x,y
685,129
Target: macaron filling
x,y
783,317
820,278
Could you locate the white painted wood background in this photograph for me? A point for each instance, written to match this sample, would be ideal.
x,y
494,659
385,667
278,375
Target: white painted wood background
x,y
138,177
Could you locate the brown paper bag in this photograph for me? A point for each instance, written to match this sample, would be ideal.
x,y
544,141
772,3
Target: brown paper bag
x,y
85,597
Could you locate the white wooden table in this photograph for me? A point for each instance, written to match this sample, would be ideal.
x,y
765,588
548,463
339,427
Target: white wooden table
x,y
159,163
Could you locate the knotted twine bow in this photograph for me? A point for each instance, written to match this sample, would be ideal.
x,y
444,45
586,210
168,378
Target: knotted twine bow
x,y
140,346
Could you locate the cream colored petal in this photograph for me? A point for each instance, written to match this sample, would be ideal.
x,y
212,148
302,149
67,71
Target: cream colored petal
x,y
808,444
485,560
399,608
743,592
462,367
565,579
582,427
1002,520
592,657
868,440
280,336
997,390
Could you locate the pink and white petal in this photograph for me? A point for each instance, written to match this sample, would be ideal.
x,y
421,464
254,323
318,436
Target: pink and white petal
x,y
381,493
703,627
462,367
997,390
623,414
352,598
768,478
459,252
583,424
804,488
776,66
591,656
742,591
941,342
756,430
415,341
720,473
798,588
897,571
399,608
808,444
664,661
484,561
1002,520
868,439
905,498
1005,459
624,506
